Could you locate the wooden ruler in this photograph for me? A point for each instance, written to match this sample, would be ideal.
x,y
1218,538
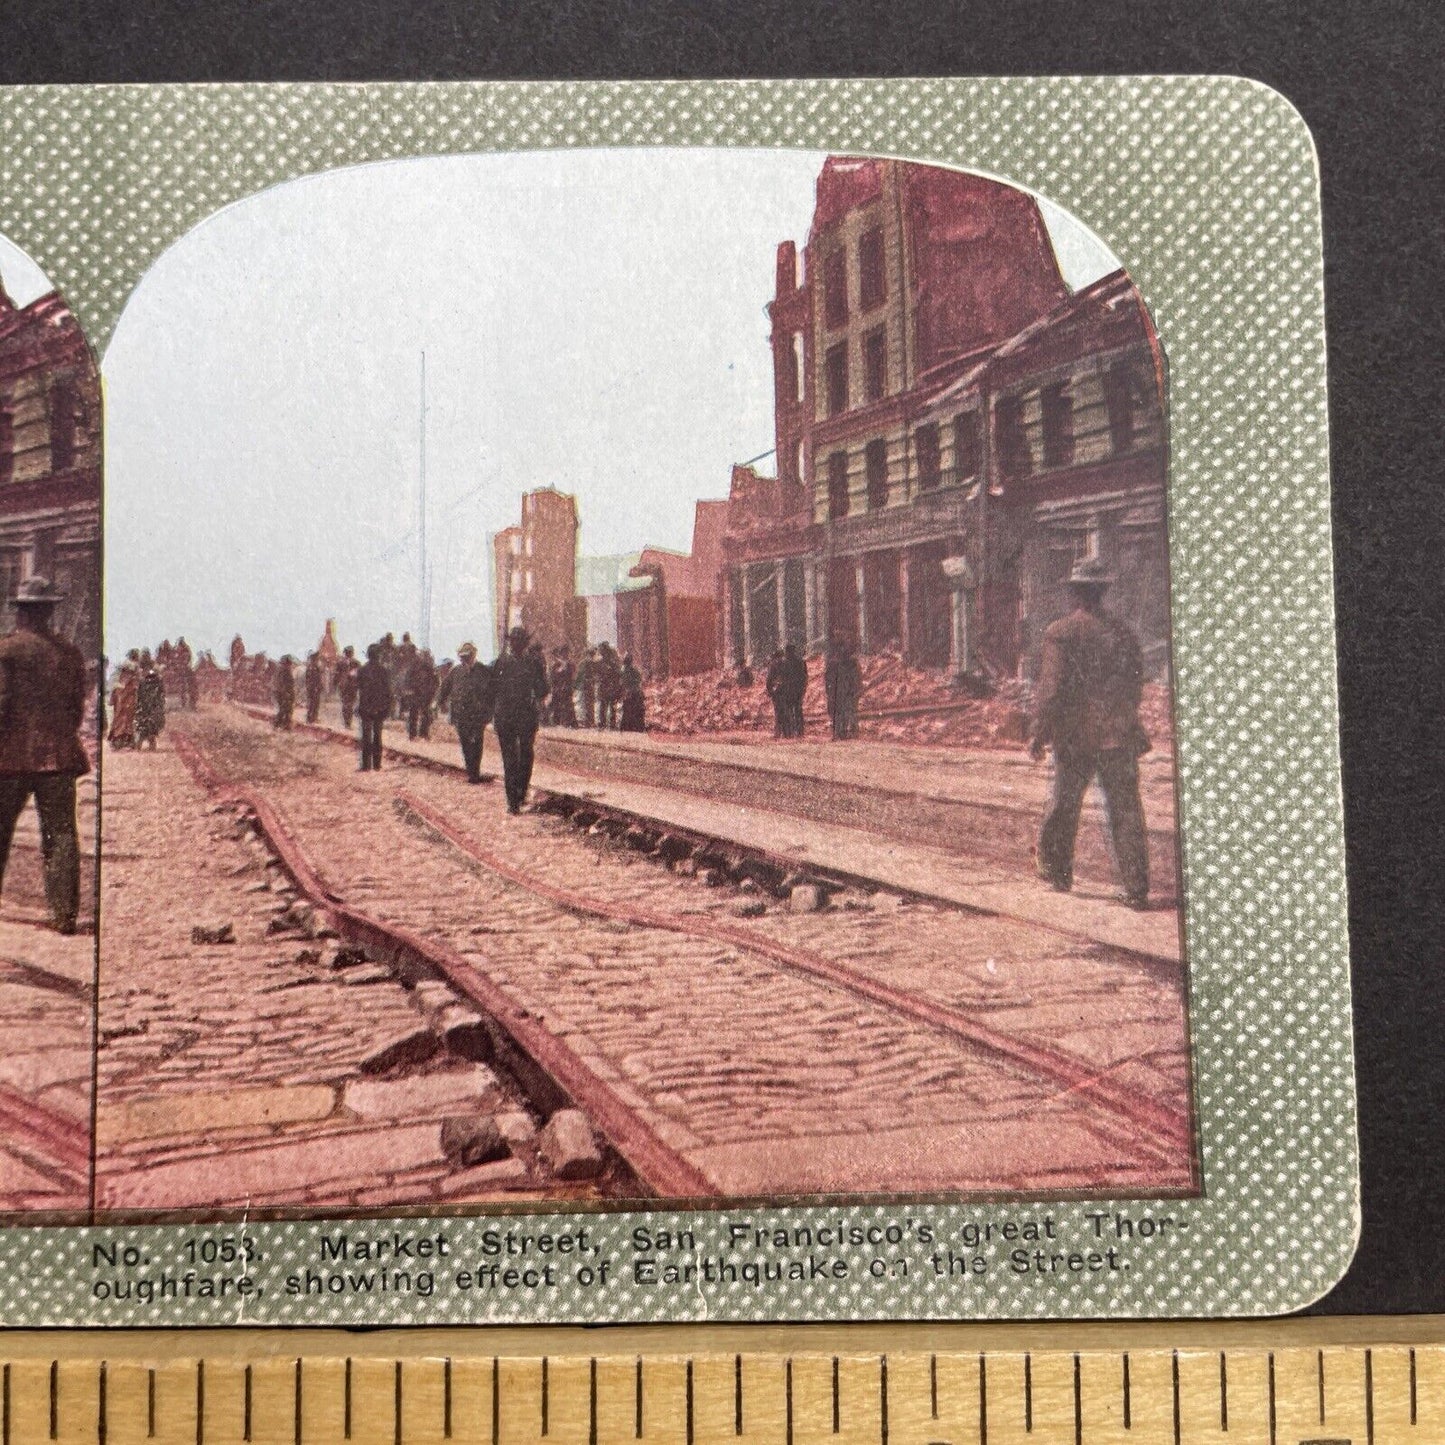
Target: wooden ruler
x,y
1366,1382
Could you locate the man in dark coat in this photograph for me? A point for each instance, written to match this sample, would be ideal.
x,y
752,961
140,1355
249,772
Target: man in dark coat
x,y
586,684
42,705
776,686
467,693
347,671
315,686
150,705
520,684
285,693
795,684
842,681
1087,708
374,702
609,685
421,693
562,707
634,702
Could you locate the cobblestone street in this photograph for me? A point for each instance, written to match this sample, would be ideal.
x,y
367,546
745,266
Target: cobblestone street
x,y
256,1074
46,1031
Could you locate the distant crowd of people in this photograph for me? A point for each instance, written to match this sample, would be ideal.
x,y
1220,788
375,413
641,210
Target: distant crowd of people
x,y
1086,707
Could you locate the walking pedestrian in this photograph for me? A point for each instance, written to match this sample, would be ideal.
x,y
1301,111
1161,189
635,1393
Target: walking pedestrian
x,y
285,693
123,698
467,694
520,686
586,683
842,681
315,686
150,706
42,706
634,704
777,690
347,673
373,705
794,686
421,693
1087,709
562,707
609,685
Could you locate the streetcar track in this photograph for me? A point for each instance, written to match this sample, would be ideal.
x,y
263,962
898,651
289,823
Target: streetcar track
x,y
1158,1134
1072,1075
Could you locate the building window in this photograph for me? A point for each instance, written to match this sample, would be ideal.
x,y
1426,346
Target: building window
x,y
1058,416
967,445
7,443
835,288
798,460
930,460
1121,399
875,467
872,286
795,363
64,416
875,364
1014,457
837,485
836,364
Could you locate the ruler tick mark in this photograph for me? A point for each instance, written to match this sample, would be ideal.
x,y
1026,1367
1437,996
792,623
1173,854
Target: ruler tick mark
x,y
396,1405
447,1398
246,1407
1028,1392
689,1404
1078,1404
150,1407
933,1386
200,1402
982,1399
346,1408
296,1404
787,1402
496,1399
1369,1398
637,1419
1128,1403
883,1398
1174,1376
1271,1399
592,1401
1412,1386
835,1395
544,1394
1223,1393
737,1394
54,1399
1320,1371
100,1420
5,1407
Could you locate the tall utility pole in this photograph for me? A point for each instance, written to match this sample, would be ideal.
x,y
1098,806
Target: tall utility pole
x,y
423,600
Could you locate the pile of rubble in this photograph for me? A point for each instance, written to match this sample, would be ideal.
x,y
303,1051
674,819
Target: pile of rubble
x,y
899,704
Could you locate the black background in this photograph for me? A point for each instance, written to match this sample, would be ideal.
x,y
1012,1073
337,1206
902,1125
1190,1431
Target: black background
x,y
1367,78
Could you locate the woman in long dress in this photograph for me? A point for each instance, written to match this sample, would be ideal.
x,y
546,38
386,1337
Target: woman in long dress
x,y
123,699
150,707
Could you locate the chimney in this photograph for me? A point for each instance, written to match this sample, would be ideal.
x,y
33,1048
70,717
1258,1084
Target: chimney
x,y
787,274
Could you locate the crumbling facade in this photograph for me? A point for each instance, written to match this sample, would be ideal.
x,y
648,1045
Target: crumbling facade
x,y
951,423
534,567
50,457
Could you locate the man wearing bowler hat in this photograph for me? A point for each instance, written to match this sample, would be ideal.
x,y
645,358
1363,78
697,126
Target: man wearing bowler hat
x,y
42,704
1087,708
519,683
467,693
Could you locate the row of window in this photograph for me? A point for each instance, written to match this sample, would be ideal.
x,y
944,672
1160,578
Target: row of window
x,y
872,278
68,419
1122,400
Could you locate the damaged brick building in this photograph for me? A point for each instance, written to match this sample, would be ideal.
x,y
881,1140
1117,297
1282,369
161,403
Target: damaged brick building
x,y
954,427
50,426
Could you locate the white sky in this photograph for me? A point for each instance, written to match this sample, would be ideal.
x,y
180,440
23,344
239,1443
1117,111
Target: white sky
x,y
24,281
593,320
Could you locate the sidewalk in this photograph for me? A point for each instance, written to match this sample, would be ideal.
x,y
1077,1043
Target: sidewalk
x,y
853,847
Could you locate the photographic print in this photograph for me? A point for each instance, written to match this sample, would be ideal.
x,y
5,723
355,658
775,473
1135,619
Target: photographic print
x,y
50,418
718,713
784,584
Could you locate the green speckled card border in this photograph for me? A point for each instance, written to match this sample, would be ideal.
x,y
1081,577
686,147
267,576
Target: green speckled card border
x,y
1206,188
